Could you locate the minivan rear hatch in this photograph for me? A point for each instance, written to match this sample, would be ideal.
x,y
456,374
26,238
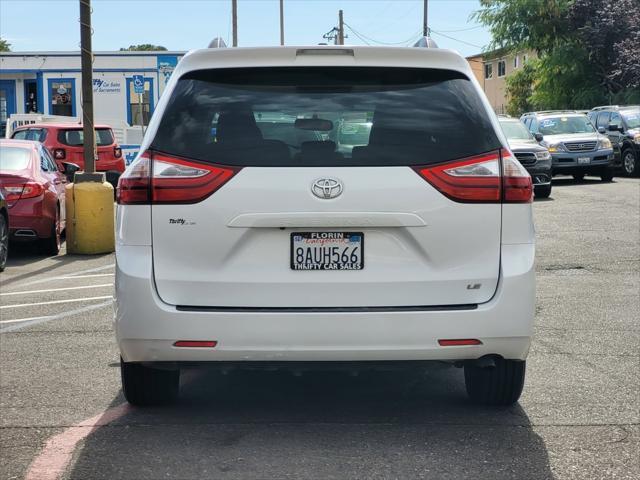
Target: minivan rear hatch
x,y
299,187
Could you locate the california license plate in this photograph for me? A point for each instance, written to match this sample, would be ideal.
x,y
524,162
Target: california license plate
x,y
327,251
583,160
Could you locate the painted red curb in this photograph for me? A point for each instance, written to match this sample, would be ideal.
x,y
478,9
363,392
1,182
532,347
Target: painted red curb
x,y
54,458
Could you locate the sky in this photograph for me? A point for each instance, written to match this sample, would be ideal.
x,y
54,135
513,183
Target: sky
x,y
45,25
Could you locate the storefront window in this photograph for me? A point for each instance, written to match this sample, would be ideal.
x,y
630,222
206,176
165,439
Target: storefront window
x,y
62,98
139,108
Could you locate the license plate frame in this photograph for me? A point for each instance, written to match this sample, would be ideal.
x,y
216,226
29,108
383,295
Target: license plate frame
x,y
584,160
341,237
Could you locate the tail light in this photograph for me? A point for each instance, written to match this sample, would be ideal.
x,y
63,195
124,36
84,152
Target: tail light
x,y
487,178
117,152
158,178
26,190
59,153
516,181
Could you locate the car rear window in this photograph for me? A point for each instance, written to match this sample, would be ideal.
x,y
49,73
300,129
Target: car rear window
x,y
514,130
75,137
37,134
14,158
329,116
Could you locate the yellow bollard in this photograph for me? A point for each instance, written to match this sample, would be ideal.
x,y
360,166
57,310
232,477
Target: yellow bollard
x,y
90,218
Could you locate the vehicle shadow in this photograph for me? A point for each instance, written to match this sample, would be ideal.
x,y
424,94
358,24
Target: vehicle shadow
x,y
568,181
259,425
26,253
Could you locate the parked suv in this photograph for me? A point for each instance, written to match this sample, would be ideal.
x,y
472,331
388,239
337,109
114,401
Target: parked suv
x,y
622,125
576,147
533,156
244,244
65,144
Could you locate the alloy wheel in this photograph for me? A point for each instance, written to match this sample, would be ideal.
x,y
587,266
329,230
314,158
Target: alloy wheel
x,y
629,163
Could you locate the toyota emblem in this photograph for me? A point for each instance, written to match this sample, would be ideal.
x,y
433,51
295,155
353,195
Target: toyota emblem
x,y
326,188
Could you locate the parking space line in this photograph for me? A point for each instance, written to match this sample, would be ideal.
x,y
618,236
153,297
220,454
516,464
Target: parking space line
x,y
24,323
71,300
22,319
69,275
29,292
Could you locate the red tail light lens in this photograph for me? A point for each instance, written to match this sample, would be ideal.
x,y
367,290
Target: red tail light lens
x,y
162,179
117,152
134,185
486,178
516,181
13,192
471,180
59,154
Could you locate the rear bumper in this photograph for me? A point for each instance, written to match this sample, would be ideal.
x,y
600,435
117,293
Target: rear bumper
x,y
116,165
29,215
568,162
146,327
540,173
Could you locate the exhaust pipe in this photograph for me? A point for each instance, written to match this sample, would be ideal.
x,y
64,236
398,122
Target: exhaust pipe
x,y
24,233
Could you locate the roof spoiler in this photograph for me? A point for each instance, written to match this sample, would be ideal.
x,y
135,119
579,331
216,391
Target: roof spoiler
x,y
426,42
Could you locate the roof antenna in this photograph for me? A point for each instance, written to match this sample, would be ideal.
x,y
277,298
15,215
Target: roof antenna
x,y
217,43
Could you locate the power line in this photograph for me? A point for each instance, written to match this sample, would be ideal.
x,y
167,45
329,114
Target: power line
x,y
362,37
456,39
462,29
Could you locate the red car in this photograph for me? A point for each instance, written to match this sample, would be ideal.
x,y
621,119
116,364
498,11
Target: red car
x,y
33,187
65,143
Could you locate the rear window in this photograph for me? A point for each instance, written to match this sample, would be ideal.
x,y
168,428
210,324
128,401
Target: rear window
x,y
75,138
14,158
515,130
329,116
37,134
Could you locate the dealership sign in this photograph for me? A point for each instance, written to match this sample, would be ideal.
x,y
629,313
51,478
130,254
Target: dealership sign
x,y
106,86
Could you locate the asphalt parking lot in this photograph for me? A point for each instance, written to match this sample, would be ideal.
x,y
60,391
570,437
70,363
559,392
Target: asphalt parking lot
x,y
578,417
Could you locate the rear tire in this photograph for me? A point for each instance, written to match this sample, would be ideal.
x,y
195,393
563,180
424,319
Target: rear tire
x,y
51,246
500,385
4,241
630,166
145,386
606,175
542,191
578,177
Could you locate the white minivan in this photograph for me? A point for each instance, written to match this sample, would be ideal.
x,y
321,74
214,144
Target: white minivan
x,y
305,207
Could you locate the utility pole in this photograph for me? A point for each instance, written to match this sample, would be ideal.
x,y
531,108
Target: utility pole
x,y
234,21
281,22
89,207
340,37
425,23
86,56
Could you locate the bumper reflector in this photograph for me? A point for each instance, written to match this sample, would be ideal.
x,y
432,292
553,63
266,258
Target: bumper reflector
x,y
458,342
196,343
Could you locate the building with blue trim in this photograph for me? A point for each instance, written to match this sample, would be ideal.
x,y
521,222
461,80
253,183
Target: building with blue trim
x,y
50,83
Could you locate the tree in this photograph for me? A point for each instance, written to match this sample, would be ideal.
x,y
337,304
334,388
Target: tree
x,y
520,88
587,49
4,46
144,47
610,33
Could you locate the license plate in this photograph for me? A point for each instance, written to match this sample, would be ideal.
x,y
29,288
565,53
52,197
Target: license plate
x,y
583,160
327,251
